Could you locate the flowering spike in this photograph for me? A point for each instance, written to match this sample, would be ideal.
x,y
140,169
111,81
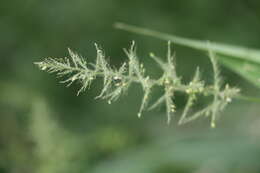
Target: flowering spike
x,y
117,81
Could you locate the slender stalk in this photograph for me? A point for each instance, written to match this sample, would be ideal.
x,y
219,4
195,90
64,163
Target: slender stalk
x,y
225,49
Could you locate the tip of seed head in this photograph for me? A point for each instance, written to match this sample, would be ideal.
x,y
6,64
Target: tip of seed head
x,y
213,125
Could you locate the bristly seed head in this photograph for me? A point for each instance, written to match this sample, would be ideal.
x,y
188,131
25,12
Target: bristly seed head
x,y
117,81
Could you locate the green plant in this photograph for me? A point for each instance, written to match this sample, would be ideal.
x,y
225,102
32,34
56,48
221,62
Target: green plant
x,y
242,60
117,81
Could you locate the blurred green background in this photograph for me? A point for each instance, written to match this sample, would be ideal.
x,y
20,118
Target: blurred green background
x,y
46,128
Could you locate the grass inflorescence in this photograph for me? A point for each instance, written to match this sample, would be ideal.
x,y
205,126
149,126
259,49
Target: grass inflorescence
x,y
117,81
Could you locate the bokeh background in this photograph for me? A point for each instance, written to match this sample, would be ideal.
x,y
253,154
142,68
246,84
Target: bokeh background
x,y
46,128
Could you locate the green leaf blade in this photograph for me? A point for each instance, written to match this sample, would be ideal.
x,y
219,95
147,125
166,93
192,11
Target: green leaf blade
x,y
248,70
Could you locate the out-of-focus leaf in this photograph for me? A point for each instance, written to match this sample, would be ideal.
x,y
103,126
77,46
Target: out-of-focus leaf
x,y
246,69
242,60
194,153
